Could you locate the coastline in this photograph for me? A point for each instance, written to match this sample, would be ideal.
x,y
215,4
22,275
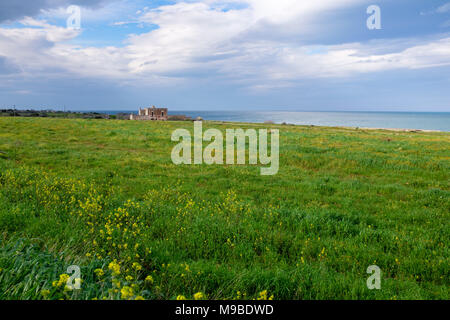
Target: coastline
x,y
425,122
395,122
391,129
403,130
412,130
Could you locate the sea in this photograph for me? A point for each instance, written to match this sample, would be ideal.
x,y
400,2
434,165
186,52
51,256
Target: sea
x,y
439,121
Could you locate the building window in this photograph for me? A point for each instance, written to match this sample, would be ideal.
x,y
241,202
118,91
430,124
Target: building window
x,y
162,114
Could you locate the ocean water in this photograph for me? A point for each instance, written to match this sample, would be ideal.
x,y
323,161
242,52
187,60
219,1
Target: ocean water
x,y
397,120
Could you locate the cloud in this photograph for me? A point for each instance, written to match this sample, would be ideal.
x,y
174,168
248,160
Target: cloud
x,y
32,47
13,10
444,8
233,41
356,58
201,36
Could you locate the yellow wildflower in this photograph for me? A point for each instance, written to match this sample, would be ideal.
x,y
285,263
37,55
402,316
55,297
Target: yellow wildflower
x,y
127,292
62,280
263,295
136,266
114,267
181,297
99,272
199,296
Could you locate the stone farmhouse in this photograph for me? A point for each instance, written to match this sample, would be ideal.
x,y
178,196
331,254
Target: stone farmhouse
x,y
152,113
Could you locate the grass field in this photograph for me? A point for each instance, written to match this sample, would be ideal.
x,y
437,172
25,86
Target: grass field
x,y
104,195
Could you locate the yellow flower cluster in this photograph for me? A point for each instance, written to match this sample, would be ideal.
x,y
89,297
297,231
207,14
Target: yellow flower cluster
x,y
264,296
114,267
63,278
126,292
136,266
199,296
99,272
115,234
149,279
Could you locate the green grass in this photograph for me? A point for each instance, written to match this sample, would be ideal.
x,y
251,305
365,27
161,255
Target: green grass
x,y
88,192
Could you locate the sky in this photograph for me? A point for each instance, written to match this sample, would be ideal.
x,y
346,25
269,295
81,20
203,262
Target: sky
x,y
290,55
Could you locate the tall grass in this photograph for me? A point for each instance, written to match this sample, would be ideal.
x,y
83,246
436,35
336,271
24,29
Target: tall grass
x,y
105,195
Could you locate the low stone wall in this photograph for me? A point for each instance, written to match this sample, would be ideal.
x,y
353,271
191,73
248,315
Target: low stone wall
x,y
179,118
147,118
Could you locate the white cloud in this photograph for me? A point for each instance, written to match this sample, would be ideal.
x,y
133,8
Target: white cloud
x,y
201,38
105,12
12,10
441,9
351,59
444,8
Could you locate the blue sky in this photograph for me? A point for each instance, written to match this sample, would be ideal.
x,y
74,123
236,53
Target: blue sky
x,y
226,54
